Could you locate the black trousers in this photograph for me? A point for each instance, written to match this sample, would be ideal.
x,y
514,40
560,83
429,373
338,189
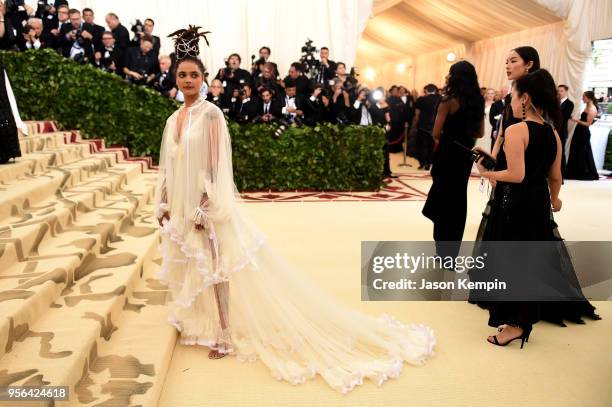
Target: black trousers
x,y
424,147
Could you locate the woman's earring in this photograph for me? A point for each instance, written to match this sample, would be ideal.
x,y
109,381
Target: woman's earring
x,y
524,116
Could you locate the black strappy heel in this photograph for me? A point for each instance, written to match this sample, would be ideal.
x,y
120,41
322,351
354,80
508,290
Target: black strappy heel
x,y
524,337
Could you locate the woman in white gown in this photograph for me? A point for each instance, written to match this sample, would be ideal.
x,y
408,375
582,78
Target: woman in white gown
x,y
230,291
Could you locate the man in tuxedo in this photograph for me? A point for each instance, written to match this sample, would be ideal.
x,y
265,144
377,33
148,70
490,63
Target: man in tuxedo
x,y
360,108
148,27
110,58
34,37
141,65
53,19
245,106
296,72
269,109
75,38
318,107
292,105
327,68
121,34
166,81
98,30
267,80
232,76
497,110
423,122
567,108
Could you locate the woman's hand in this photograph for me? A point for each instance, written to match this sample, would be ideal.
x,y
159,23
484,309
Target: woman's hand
x,y
166,215
556,204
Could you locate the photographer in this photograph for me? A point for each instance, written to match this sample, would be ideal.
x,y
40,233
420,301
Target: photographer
x,y
327,67
319,107
244,108
14,15
293,105
232,76
217,97
110,58
121,34
267,80
257,65
33,35
75,38
269,108
296,72
53,21
97,30
166,84
141,64
340,102
360,109
139,29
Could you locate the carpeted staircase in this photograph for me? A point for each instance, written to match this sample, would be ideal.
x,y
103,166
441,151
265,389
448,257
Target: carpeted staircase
x,y
79,303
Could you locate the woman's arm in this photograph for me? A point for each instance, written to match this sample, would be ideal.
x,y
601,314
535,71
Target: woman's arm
x,y
499,138
514,147
440,119
554,177
591,113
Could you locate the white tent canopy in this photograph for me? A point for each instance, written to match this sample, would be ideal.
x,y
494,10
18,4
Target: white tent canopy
x,y
419,34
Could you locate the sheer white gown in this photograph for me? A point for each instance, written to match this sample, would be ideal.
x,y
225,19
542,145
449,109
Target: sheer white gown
x,y
231,291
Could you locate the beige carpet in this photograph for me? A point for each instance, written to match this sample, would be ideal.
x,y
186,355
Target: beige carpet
x,y
79,305
559,366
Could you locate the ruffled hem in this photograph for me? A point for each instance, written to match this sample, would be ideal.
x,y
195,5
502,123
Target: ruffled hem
x,y
393,368
170,232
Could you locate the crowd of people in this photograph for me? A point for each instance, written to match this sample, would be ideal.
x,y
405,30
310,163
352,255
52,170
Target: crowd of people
x,y
327,93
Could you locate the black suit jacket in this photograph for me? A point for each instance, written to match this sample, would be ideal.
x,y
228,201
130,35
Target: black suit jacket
x,y
497,108
122,37
98,31
567,107
67,43
245,112
275,108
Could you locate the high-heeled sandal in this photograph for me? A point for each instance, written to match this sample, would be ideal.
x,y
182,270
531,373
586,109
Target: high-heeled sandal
x,y
215,354
524,337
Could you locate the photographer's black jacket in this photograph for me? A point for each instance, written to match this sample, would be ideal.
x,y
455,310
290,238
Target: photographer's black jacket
x,y
66,43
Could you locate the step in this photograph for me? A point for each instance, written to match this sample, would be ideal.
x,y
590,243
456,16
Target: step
x,y
75,214
18,195
56,347
39,142
131,364
57,258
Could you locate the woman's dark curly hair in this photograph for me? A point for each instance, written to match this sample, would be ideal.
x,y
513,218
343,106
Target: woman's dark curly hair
x,y
463,85
541,88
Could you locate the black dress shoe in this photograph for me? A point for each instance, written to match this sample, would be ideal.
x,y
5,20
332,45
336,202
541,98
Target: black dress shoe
x,y
389,176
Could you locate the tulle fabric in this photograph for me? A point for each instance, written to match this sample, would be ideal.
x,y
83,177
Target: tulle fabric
x,y
232,292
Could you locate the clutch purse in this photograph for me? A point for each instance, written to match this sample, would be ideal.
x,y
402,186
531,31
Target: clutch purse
x,y
487,160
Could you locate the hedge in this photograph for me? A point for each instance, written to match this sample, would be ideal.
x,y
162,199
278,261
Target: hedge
x,y
101,105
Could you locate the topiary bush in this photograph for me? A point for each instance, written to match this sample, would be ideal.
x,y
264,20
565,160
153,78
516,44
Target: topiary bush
x,y
101,105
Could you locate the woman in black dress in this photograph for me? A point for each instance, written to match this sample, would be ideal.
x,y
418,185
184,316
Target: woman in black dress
x,y
9,142
580,164
459,121
528,181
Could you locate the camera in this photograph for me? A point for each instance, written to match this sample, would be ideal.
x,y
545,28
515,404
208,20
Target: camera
x,y
137,27
310,63
12,6
42,4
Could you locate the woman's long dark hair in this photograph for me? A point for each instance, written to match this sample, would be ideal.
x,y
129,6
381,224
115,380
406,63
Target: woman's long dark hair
x,y
589,94
463,85
529,54
540,86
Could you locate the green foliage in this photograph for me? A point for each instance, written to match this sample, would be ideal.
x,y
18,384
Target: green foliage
x,y
101,105
323,158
